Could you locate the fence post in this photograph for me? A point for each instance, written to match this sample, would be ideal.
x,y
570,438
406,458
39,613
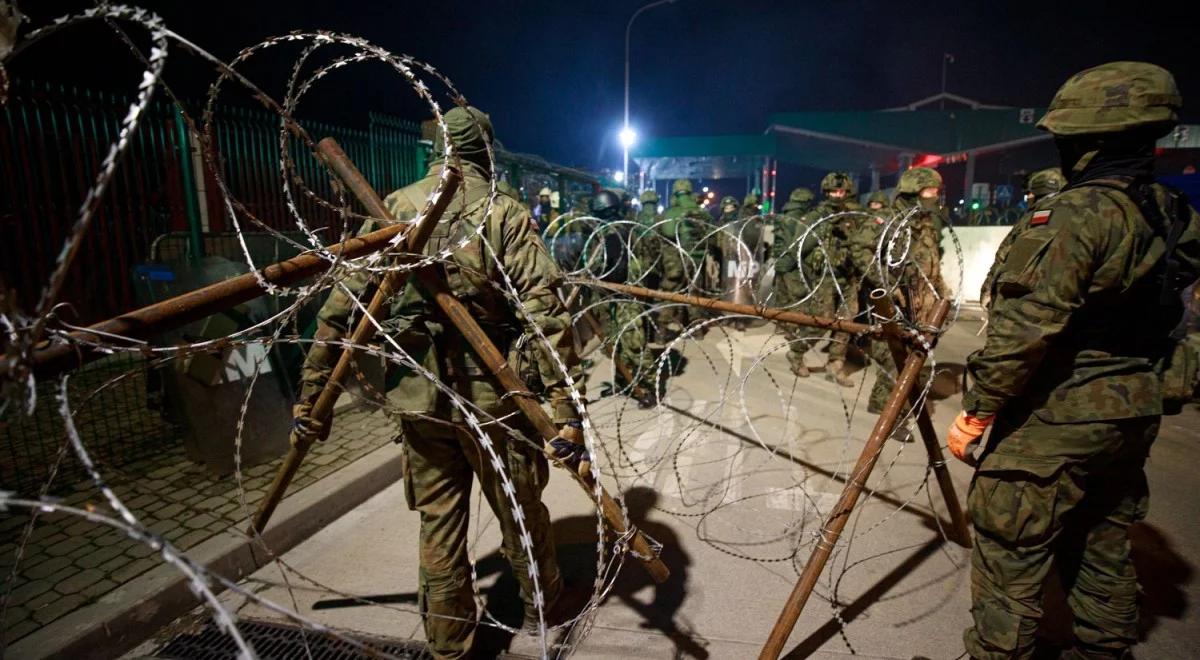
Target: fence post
x,y
188,177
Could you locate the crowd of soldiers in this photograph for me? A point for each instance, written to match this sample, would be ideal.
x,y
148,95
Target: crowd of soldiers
x,y
823,253
1080,362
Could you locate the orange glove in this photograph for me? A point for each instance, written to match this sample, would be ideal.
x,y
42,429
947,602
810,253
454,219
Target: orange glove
x,y
964,436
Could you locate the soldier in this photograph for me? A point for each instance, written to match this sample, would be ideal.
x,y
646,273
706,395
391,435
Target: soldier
x,y
625,325
544,212
845,274
917,209
1043,183
440,452
649,213
677,262
799,203
751,205
729,210
877,201
807,282
1071,376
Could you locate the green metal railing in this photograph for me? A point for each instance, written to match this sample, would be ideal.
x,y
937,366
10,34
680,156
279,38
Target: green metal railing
x,y
52,138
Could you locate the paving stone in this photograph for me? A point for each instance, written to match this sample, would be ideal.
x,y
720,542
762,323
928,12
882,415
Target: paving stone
x,y
111,537
192,538
95,591
45,568
98,556
137,503
199,521
79,581
19,627
80,528
213,502
171,510
139,550
134,568
60,606
27,592
114,563
67,546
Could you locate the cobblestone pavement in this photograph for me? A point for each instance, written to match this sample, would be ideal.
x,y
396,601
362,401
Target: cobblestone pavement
x,y
68,563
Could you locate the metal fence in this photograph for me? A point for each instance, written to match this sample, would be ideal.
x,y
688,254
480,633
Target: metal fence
x,y
52,140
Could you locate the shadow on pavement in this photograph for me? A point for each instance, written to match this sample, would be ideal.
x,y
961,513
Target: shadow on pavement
x,y
852,611
575,539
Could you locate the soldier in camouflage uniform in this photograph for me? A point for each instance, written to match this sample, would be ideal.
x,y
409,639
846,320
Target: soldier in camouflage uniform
x,y
799,203
649,213
625,325
441,455
682,226
920,278
806,282
1083,306
845,273
751,205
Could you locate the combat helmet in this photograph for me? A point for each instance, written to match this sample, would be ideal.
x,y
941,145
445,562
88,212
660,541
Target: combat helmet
x,y
606,205
1046,182
727,202
681,187
1114,97
649,196
801,196
914,180
837,181
877,197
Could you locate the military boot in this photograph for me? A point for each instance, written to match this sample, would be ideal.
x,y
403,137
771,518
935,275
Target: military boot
x,y
835,372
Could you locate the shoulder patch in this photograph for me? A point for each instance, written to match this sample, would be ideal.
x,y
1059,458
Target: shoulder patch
x,y
1040,218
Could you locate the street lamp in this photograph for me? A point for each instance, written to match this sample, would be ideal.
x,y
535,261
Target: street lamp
x,y
626,131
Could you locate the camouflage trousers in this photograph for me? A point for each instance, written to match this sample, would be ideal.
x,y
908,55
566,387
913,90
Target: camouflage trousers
x,y
440,462
791,289
845,306
672,276
1061,493
627,327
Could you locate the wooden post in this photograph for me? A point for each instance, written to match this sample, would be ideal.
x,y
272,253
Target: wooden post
x,y
838,517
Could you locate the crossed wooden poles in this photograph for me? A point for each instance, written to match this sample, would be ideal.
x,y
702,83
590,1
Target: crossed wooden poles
x,y
910,356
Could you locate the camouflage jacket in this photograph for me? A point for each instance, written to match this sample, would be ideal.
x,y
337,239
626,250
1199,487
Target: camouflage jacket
x,y
684,222
817,245
415,323
1076,327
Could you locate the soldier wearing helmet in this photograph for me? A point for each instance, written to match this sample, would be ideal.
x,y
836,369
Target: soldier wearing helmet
x,y
877,201
1078,368
545,213
806,255
799,202
917,211
679,256
1043,183
649,213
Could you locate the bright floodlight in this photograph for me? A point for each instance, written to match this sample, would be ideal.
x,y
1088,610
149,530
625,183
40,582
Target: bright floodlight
x,y
619,176
628,136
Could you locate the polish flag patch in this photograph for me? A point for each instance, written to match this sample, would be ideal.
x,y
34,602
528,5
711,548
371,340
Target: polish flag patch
x,y
1040,218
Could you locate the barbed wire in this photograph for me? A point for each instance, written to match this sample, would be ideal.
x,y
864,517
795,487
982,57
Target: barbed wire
x,y
666,440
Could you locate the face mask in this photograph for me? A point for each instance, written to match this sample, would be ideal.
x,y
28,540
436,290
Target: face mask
x,y
929,203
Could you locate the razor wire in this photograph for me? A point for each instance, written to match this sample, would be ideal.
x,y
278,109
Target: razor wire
x,y
657,441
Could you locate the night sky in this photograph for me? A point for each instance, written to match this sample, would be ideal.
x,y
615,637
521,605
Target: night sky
x,y
551,73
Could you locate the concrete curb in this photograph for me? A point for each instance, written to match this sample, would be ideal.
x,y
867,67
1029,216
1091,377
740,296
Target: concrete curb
x,y
134,611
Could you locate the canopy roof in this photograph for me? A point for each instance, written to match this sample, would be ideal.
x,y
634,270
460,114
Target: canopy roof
x,y
883,140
